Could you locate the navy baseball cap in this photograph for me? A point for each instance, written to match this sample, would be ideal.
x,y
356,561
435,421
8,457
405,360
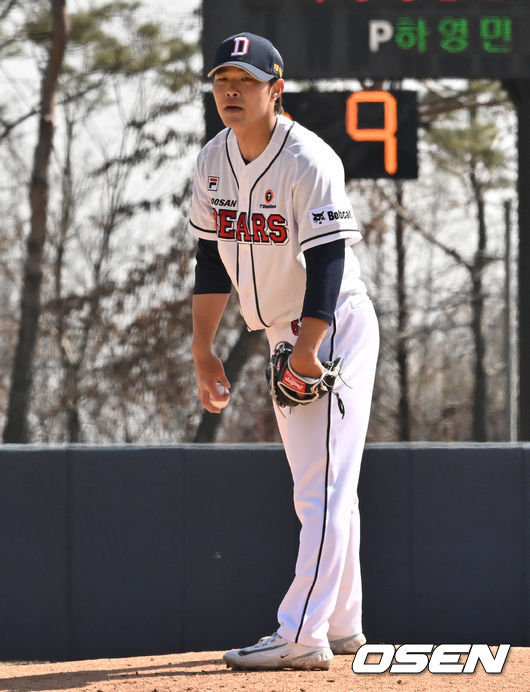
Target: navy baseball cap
x,y
252,53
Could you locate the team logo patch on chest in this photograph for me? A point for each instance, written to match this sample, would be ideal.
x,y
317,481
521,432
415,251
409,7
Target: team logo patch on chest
x,y
323,216
269,196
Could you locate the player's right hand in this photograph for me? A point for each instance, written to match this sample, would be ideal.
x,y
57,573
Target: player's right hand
x,y
208,372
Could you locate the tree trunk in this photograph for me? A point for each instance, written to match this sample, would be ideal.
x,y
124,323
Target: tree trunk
x,y
16,428
519,90
402,339
244,347
477,311
70,365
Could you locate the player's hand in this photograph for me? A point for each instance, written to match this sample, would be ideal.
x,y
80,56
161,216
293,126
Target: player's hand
x,y
306,363
289,388
304,358
208,372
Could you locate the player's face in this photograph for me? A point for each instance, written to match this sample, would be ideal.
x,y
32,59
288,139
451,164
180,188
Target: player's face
x,y
241,99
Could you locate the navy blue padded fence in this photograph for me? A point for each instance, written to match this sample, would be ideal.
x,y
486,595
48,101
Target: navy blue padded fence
x,y
122,551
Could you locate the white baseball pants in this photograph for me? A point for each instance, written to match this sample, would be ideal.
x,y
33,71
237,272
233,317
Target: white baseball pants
x,y
324,452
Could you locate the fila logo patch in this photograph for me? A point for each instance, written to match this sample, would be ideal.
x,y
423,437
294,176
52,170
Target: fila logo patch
x,y
241,44
213,183
323,216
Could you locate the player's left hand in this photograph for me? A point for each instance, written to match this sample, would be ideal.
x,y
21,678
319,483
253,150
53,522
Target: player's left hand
x,y
289,388
306,364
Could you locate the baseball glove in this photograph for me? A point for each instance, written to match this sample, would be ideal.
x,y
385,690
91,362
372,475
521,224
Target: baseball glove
x,y
288,388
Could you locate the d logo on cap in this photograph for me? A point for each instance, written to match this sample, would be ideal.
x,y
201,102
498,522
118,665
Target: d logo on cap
x,y
241,45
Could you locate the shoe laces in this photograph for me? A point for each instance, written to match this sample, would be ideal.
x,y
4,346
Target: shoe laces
x,y
266,641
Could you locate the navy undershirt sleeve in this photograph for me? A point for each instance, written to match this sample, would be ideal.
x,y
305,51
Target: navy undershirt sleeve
x,y
210,273
324,269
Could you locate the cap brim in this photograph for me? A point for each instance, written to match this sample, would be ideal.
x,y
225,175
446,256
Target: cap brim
x,y
254,71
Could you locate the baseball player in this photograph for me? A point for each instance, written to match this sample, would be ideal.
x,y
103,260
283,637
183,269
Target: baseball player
x,y
272,219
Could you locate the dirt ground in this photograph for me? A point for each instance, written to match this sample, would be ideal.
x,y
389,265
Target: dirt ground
x,y
205,672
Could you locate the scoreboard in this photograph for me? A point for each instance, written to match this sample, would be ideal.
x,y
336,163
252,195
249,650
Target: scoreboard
x,y
381,39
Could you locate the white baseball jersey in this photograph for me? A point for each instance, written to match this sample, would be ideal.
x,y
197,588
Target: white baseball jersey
x,y
266,213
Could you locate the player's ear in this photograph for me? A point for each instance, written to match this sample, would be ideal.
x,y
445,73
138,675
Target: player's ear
x,y
277,88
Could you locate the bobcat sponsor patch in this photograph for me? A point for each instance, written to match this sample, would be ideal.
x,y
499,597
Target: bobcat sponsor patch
x,y
323,216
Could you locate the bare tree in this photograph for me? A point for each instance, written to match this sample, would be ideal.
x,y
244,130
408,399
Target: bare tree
x,y
441,354
471,153
21,380
103,296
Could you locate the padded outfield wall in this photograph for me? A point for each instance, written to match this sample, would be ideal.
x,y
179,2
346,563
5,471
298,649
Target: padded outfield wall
x,y
124,551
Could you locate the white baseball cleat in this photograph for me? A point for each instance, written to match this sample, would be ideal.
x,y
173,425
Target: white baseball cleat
x,y
347,645
275,652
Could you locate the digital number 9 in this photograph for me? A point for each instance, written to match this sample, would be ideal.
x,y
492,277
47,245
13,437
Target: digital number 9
x,y
387,134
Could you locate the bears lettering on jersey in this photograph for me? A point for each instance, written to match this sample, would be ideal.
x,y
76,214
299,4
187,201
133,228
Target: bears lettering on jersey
x,y
259,229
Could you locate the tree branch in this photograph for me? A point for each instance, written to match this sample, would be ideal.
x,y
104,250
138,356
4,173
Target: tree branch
x,y
416,226
8,127
7,9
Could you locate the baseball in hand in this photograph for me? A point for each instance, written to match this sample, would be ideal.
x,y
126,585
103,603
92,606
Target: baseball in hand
x,y
221,390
